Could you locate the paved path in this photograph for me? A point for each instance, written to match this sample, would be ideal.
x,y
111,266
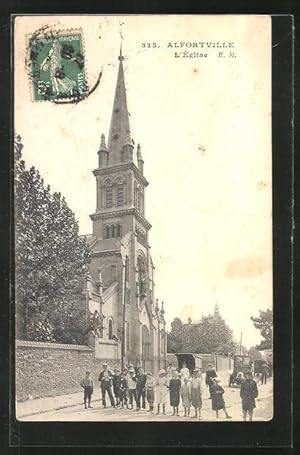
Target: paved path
x,y
263,411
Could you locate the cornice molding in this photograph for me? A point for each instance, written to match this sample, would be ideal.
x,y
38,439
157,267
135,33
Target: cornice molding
x,y
132,211
114,168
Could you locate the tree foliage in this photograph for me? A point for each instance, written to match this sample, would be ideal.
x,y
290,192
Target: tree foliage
x,y
51,261
264,323
175,336
210,335
255,353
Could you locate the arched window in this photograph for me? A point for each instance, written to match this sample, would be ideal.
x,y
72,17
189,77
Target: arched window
x,y
110,329
113,272
120,194
119,230
106,232
113,231
108,193
108,197
141,277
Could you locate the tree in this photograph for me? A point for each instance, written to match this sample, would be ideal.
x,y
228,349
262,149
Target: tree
x,y
214,335
264,323
210,335
175,336
254,353
51,261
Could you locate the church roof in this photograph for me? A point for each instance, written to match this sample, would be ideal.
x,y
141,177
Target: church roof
x,y
119,134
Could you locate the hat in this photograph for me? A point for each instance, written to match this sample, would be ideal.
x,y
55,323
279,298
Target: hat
x,y
104,364
162,371
149,373
131,370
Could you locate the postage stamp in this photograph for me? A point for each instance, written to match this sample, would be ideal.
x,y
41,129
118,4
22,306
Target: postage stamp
x,y
57,67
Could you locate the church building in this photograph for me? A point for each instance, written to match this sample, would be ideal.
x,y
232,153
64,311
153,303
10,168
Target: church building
x,y
120,294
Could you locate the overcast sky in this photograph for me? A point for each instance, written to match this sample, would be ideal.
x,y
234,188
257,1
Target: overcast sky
x,y
204,125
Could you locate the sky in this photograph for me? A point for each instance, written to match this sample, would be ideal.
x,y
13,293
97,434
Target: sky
x,y
204,125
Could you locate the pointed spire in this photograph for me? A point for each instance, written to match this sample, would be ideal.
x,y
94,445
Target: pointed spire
x,y
140,158
156,306
162,310
103,147
138,152
119,133
102,153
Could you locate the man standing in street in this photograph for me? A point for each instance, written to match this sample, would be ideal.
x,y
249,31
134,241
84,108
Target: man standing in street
x,y
105,379
265,370
140,389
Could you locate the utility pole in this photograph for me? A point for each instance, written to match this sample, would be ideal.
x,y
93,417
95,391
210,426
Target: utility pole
x,y
124,312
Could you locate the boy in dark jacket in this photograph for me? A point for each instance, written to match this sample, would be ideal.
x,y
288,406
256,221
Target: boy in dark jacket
x,y
248,393
140,389
88,388
116,386
123,389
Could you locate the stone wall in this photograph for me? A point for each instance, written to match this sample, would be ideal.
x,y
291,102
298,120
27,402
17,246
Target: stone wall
x,y
48,369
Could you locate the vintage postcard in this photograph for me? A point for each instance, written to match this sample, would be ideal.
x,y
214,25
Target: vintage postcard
x,y
143,218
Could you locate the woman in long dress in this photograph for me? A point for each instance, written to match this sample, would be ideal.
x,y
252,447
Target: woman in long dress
x,y
61,84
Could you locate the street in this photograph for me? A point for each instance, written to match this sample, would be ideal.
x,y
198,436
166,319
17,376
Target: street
x,y
263,410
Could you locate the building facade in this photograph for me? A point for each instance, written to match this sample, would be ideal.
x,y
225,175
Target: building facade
x,y
121,287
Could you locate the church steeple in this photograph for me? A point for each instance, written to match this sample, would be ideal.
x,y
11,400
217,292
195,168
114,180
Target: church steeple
x,y
120,145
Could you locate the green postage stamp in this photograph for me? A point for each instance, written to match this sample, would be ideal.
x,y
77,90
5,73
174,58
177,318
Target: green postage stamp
x,y
57,67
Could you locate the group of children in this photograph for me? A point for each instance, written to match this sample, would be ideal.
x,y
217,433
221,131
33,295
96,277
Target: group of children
x,y
134,387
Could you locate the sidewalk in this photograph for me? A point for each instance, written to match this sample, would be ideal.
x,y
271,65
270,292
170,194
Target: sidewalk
x,y
55,403
46,404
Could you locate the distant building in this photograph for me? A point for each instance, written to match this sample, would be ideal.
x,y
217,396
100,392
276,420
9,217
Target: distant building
x,y
121,270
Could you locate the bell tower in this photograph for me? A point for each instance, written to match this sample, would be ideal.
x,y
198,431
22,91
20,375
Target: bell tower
x,y
120,180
